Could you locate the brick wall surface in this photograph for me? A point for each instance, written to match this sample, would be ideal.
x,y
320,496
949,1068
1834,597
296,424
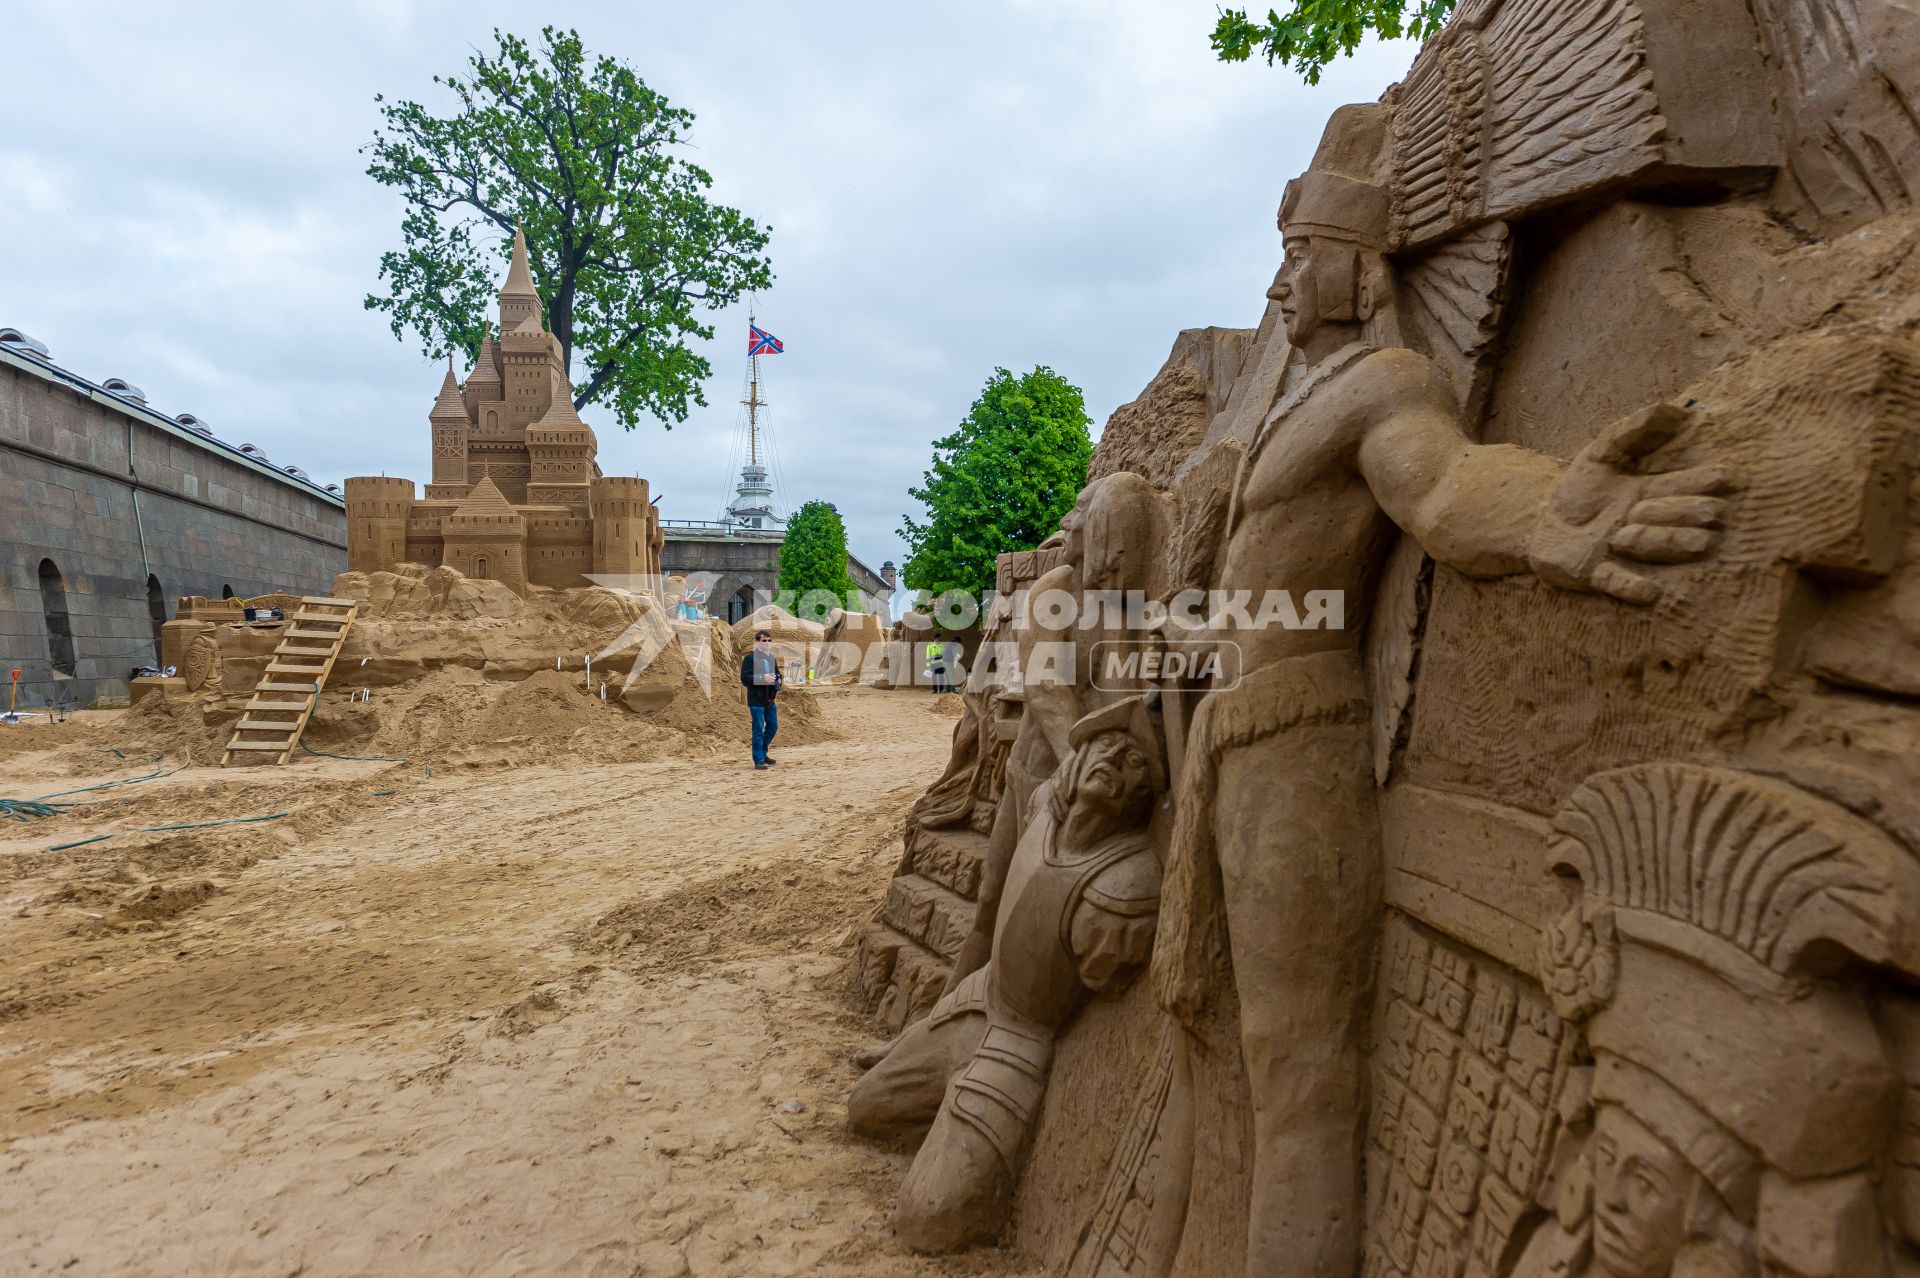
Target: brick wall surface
x,y
209,523
750,563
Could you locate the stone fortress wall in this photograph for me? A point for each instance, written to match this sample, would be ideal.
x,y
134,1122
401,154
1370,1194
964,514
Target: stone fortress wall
x,y
75,461
1562,918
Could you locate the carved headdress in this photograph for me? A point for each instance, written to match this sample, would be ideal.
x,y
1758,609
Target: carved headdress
x,y
1346,193
1708,901
1133,716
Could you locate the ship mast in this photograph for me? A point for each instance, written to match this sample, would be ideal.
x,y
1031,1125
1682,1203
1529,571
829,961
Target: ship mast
x,y
754,404
753,504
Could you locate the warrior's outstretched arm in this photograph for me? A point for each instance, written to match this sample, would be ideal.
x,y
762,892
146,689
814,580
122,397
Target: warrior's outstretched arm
x,y
1473,507
1490,510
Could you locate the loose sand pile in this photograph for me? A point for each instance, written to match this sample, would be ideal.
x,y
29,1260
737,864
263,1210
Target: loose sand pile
x,y
458,672
573,1017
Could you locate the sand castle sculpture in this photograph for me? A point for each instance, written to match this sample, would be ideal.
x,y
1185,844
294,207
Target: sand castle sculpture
x,y
517,495
1557,911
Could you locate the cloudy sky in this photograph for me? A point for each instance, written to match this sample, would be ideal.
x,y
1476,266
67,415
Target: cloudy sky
x,y
950,188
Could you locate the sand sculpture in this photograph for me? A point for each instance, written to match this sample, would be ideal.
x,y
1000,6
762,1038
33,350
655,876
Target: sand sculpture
x,y
1554,908
455,670
846,640
517,495
1083,891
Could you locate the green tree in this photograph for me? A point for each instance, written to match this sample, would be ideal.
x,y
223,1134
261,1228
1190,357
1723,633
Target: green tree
x,y
814,555
625,246
999,483
1315,32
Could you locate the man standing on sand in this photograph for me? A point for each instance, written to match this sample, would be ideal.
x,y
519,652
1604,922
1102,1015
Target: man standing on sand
x,y
760,676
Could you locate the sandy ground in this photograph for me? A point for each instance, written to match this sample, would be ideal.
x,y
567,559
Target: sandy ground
x,y
583,1019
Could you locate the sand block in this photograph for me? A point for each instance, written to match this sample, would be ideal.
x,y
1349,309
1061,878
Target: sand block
x,y
167,689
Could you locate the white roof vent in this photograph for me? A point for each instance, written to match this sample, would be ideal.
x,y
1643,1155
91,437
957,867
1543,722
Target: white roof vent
x,y
333,488
18,342
190,421
253,452
125,389
296,472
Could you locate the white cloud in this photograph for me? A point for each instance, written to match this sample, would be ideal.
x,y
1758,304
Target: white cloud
x,y
1060,182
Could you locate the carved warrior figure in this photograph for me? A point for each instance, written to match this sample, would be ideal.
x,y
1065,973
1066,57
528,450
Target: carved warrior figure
x,y
1738,1100
1112,540
1076,918
1277,776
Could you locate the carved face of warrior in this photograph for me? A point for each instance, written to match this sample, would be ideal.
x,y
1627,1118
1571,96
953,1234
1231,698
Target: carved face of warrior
x,y
1113,775
1641,1191
1321,281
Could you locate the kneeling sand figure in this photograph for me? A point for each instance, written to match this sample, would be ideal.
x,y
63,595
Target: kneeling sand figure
x,y
1076,918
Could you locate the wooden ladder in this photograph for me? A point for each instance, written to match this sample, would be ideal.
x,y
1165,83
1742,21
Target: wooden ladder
x,y
290,689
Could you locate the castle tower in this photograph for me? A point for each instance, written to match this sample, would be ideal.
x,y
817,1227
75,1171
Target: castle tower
x,y
560,449
377,522
450,421
483,383
623,524
486,538
519,300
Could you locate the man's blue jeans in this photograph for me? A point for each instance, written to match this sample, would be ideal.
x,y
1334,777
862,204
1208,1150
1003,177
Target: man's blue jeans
x,y
766,722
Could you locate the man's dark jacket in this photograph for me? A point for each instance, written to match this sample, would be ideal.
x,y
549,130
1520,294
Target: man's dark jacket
x,y
760,694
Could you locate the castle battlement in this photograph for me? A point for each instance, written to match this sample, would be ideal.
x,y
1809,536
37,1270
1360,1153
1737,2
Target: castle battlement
x,y
512,463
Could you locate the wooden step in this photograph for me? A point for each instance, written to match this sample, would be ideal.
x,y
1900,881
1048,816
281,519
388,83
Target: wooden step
x,y
304,615
292,661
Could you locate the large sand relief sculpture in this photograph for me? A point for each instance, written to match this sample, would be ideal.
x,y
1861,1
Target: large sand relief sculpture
x,y
1550,907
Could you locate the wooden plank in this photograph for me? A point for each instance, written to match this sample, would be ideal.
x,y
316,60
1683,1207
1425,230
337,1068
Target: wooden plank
x,y
329,602
289,658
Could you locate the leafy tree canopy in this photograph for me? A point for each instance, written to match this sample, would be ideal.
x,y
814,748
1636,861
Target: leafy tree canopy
x,y
1315,32
1000,482
626,248
814,555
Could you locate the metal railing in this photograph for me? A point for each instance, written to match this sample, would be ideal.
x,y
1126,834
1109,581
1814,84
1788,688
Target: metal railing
x,y
719,529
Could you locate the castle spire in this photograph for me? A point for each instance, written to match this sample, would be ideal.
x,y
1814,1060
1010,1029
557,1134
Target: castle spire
x,y
519,300
519,275
449,405
484,373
